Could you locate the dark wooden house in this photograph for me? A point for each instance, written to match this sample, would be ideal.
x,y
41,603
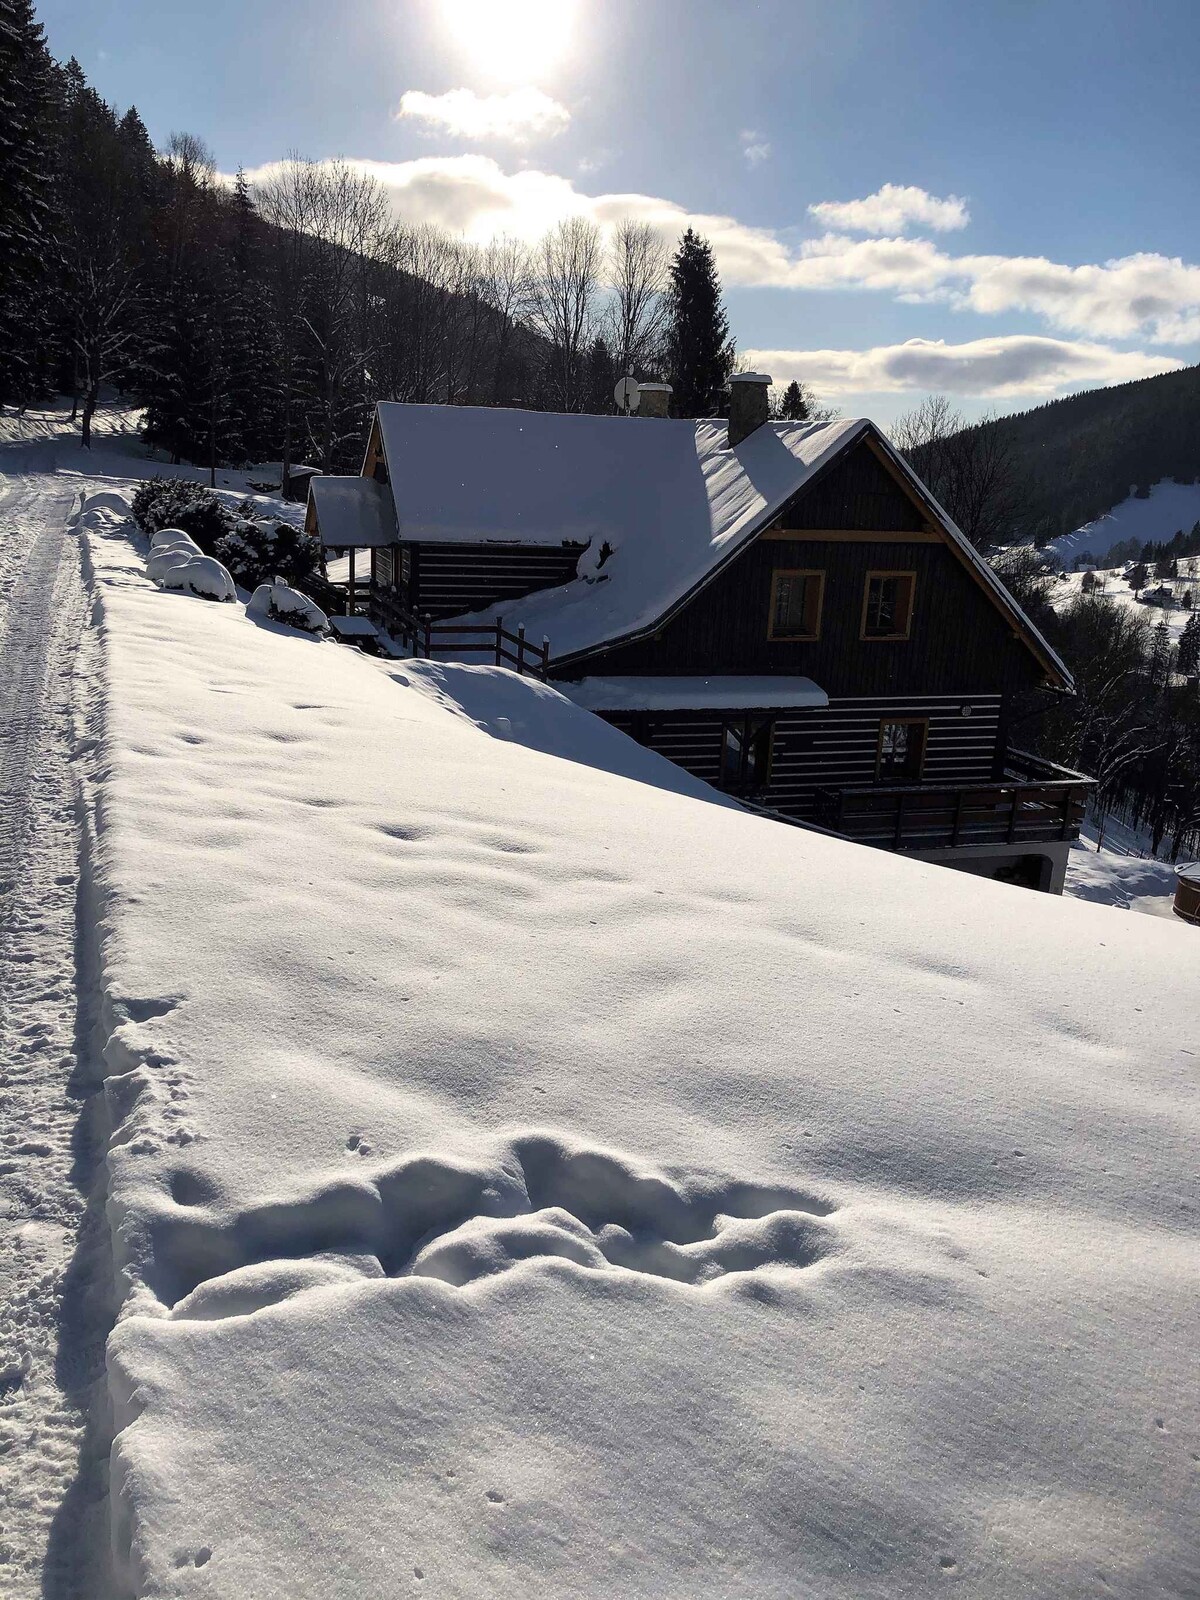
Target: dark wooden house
x,y
781,608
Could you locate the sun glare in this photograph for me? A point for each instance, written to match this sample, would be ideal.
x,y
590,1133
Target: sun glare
x,y
516,41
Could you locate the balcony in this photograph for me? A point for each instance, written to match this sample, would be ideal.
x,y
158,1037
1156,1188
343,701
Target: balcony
x,y
1035,802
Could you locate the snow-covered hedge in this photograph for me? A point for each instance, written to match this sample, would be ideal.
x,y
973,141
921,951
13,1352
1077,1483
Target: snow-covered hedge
x,y
284,604
178,503
258,550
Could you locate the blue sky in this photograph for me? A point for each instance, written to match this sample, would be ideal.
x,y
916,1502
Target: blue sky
x,y
1028,170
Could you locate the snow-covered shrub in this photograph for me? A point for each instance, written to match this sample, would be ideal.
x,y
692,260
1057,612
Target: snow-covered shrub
x,y
167,557
107,500
174,539
287,605
177,503
258,550
198,575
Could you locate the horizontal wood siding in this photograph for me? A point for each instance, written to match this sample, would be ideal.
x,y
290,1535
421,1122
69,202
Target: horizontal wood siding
x,y
834,747
454,578
960,641
837,748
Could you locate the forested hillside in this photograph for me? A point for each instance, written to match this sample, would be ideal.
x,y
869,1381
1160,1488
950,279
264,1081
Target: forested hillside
x,y
1076,458
263,323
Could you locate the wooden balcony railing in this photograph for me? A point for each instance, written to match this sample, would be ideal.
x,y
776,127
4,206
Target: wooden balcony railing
x,y
1035,802
452,641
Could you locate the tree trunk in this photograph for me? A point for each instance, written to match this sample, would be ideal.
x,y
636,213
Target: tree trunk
x,y
90,403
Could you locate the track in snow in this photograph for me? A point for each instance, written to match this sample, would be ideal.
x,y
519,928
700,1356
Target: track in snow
x,y
53,1280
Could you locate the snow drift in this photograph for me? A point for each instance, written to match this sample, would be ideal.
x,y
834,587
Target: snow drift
x,y
532,1178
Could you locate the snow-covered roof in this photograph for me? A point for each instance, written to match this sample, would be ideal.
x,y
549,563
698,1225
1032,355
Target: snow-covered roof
x,y
353,627
352,512
669,493
670,499
681,694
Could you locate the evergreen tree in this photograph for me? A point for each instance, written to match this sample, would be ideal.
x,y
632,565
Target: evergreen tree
x,y
1137,578
1160,654
26,201
794,407
1189,647
699,350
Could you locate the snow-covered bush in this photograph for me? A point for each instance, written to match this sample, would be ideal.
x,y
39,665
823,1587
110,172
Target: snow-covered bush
x,y
176,503
174,539
107,500
287,605
258,550
167,558
198,575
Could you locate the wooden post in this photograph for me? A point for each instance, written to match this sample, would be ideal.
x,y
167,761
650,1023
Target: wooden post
x,y
499,641
545,656
520,647
958,811
428,637
350,597
1014,802
899,835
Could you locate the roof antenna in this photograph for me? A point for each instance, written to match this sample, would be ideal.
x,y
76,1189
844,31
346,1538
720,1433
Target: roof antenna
x,y
626,395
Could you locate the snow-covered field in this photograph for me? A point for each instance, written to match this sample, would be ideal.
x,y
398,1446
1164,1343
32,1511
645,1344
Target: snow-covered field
x,y
1113,588
1120,870
530,1175
1169,508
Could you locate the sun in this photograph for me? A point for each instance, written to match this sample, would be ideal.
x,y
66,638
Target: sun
x,y
512,41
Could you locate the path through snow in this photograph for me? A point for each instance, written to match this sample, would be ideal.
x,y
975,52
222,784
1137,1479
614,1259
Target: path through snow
x,y
52,1330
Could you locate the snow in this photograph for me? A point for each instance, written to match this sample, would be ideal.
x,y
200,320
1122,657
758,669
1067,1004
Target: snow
x,y
279,602
1120,871
534,1175
485,474
353,511
1169,508
202,576
353,627
1113,587
717,694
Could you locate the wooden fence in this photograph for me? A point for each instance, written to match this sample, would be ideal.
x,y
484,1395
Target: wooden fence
x,y
451,641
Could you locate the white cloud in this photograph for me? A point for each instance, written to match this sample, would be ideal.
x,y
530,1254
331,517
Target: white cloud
x,y
1145,296
755,148
518,116
1015,364
893,209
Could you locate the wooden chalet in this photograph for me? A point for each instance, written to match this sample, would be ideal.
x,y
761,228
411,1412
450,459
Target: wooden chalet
x,y
780,608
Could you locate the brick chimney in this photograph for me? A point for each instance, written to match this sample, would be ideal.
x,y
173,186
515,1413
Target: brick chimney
x,y
653,399
749,396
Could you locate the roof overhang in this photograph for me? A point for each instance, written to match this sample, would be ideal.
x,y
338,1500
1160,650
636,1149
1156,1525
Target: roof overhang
x,y
695,694
352,513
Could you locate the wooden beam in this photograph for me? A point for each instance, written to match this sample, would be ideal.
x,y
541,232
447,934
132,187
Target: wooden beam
x,y
852,536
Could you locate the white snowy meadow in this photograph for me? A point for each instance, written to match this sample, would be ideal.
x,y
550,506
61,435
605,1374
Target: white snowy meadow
x,y
531,1177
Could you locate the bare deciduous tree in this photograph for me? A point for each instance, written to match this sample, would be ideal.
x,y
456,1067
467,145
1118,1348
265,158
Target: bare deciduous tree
x,y
564,303
637,277
970,468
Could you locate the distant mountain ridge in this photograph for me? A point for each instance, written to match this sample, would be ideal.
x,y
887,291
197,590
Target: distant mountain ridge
x,y
1079,457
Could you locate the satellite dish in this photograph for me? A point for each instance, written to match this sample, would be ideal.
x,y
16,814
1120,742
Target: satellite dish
x,y
626,395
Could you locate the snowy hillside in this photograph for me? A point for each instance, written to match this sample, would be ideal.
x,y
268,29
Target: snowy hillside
x,y
1112,587
1169,508
531,1177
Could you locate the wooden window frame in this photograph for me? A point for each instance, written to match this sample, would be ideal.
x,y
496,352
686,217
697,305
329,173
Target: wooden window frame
x,y
796,572
908,722
885,638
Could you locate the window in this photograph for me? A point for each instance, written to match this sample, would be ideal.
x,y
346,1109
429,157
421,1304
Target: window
x,y
796,605
901,750
888,605
745,753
